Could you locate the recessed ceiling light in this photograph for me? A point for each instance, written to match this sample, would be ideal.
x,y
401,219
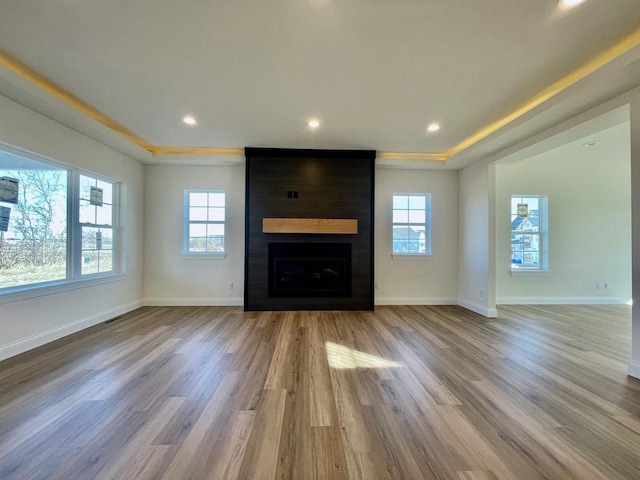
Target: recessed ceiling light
x,y
189,120
590,144
434,127
313,123
569,3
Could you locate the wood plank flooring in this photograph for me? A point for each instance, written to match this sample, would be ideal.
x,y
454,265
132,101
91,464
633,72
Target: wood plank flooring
x,y
400,393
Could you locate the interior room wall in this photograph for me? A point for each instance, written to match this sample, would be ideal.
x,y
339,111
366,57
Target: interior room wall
x,y
476,287
589,222
171,277
425,281
28,323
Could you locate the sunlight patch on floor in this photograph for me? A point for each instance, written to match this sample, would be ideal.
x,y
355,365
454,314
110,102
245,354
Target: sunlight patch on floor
x,y
341,357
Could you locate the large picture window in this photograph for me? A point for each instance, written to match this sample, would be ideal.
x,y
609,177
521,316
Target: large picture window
x,y
411,224
56,230
33,245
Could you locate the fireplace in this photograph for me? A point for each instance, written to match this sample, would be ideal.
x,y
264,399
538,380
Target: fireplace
x,y
309,229
309,270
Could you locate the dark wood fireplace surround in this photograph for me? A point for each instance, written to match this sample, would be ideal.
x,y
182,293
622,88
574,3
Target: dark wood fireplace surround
x,y
292,188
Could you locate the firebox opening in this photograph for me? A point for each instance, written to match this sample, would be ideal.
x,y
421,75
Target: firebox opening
x,y
309,270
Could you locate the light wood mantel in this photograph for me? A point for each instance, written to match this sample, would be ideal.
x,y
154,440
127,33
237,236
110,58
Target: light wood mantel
x,y
343,226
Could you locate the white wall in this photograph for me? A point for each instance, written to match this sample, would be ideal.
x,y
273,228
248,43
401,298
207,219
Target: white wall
x,y
589,222
26,324
476,272
172,278
422,282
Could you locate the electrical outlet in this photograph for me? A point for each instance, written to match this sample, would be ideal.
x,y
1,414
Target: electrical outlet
x,y
377,285
481,293
230,285
606,285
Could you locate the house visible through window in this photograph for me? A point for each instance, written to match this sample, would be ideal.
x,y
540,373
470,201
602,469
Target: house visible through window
x,y
204,221
529,232
411,224
57,223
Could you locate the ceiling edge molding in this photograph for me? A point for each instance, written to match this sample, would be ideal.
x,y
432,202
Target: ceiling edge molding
x,y
566,131
29,74
157,150
412,156
552,90
620,48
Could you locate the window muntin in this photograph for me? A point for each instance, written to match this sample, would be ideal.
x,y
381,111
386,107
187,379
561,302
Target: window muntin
x,y
528,232
411,224
204,222
52,232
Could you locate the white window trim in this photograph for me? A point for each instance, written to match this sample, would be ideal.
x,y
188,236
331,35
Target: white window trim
x,y
186,222
428,253
204,256
16,294
412,256
74,279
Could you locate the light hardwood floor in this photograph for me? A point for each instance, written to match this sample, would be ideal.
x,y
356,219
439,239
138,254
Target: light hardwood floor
x,y
403,392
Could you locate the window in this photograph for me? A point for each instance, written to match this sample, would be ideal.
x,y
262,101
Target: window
x,y
57,231
204,222
529,233
412,224
96,225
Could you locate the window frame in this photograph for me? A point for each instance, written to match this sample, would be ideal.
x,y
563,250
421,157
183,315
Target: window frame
x,y
542,234
187,222
73,278
428,253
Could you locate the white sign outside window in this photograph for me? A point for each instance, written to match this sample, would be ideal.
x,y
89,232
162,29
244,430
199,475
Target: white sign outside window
x,y
5,213
9,190
95,197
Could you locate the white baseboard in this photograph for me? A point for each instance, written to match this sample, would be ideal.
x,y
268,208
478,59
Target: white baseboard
x,y
194,302
39,339
415,301
634,369
562,300
481,309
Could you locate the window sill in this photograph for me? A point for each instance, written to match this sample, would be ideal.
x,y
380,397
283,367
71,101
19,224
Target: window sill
x,y
32,291
530,273
411,257
204,256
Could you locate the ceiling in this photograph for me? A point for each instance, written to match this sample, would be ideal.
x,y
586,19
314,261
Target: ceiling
x,y
609,145
252,72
